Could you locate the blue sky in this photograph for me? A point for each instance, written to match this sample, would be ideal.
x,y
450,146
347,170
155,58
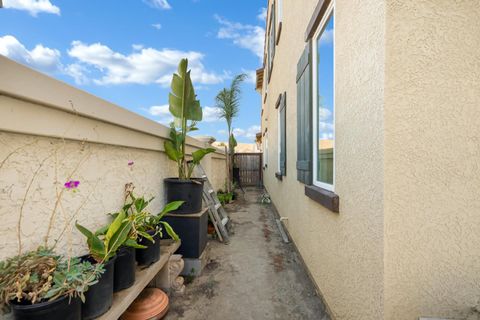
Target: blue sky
x,y
125,51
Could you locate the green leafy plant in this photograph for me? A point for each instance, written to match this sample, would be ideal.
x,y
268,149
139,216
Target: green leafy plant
x,y
225,197
103,244
186,109
228,101
144,223
42,275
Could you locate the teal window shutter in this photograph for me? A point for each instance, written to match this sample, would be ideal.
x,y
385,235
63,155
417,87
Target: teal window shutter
x,y
283,135
304,116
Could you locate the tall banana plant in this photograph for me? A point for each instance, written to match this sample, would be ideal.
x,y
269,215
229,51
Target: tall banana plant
x,y
187,112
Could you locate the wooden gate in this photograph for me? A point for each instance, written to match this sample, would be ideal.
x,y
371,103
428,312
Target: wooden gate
x,y
250,168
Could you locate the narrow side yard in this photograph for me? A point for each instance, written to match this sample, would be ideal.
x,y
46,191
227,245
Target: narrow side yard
x,y
256,276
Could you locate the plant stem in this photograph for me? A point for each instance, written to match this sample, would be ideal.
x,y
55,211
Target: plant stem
x,y
24,200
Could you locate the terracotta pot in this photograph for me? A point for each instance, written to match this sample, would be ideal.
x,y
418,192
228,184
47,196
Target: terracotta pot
x,y
151,304
211,228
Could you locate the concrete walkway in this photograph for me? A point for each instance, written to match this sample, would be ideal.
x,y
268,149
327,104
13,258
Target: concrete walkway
x,y
257,276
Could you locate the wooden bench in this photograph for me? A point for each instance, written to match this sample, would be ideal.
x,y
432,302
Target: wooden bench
x,y
157,274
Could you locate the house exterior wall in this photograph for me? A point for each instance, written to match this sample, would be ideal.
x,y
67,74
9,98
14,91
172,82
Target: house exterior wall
x,y
51,133
343,252
407,92
432,158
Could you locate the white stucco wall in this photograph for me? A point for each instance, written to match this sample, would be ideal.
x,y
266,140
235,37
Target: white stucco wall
x,y
432,158
43,136
407,93
343,252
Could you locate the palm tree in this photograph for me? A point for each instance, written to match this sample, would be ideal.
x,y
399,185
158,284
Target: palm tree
x,y
228,101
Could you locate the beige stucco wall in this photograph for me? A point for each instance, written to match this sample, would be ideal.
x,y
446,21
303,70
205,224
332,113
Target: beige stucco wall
x,y
407,90
344,252
43,137
432,158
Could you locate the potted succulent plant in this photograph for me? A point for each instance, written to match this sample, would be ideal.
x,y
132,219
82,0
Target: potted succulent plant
x,y
103,246
187,112
43,285
147,228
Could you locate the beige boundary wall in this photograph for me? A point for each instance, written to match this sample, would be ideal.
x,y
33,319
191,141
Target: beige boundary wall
x,y
50,133
406,241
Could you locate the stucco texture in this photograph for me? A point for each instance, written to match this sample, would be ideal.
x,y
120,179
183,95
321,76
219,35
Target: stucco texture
x,y
48,140
102,171
343,252
432,158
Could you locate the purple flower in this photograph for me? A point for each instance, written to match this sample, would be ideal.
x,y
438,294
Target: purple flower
x,y
130,163
71,184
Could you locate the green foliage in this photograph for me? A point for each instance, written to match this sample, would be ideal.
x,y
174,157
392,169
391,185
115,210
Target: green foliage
x,y
186,109
225,197
143,221
42,275
228,100
104,245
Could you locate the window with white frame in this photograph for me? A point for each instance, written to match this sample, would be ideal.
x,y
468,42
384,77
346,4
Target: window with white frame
x,y
282,136
279,11
265,149
324,103
271,42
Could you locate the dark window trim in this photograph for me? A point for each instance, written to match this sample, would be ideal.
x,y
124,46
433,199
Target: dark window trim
x,y
279,32
279,176
317,16
326,198
270,70
279,100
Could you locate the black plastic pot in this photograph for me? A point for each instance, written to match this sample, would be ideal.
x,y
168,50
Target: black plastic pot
x,y
192,229
189,191
151,253
124,273
62,308
99,297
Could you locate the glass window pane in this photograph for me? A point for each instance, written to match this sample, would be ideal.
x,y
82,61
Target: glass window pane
x,y
325,105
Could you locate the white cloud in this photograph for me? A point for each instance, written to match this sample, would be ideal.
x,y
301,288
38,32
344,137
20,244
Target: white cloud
x,y
162,113
211,114
325,126
327,37
40,57
323,113
78,73
34,7
157,26
142,66
262,16
251,75
249,133
158,4
243,35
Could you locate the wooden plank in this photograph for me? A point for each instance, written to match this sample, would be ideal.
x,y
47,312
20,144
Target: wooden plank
x,y
143,276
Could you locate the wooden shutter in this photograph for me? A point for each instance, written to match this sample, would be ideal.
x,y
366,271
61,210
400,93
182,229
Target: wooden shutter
x,y
304,116
283,134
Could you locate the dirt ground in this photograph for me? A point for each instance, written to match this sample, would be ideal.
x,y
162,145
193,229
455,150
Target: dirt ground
x,y
256,276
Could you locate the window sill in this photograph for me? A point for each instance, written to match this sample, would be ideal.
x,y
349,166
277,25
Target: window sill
x,y
279,176
326,198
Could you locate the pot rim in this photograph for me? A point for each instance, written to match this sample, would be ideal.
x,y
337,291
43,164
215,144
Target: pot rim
x,y
184,181
15,304
88,257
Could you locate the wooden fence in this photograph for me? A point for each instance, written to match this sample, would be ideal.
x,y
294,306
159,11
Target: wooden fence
x,y
250,167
